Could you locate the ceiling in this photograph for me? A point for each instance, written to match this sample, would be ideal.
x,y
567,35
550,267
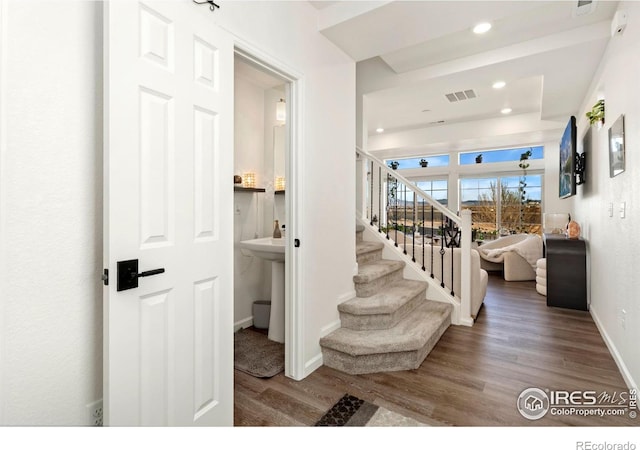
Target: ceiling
x,y
410,54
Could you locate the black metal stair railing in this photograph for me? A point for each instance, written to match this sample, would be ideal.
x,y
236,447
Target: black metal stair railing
x,y
401,215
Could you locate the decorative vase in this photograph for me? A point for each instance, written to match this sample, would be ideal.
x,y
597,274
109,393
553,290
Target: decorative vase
x,y
479,159
573,230
394,165
424,163
276,231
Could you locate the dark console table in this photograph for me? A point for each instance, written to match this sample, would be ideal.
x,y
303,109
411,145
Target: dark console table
x,y
566,272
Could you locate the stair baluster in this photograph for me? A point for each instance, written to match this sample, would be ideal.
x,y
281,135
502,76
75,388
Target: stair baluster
x,y
394,190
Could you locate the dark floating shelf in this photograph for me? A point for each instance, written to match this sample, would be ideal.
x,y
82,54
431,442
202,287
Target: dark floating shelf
x,y
244,189
279,192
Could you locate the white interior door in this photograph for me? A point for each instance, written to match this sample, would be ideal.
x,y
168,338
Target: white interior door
x,y
168,344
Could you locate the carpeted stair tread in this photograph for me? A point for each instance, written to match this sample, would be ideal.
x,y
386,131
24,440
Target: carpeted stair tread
x,y
368,247
372,271
411,334
386,302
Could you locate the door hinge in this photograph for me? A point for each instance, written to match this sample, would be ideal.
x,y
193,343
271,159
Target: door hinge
x,y
105,277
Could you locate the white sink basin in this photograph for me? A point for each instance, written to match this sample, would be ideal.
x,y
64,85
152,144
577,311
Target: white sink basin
x,y
266,248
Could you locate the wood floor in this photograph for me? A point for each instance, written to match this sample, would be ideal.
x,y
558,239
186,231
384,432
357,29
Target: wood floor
x,y
472,377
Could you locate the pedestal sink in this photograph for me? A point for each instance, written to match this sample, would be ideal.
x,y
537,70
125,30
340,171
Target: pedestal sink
x,y
271,249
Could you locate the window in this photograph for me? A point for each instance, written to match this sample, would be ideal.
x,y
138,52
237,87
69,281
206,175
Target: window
x,y
414,163
514,210
436,189
505,155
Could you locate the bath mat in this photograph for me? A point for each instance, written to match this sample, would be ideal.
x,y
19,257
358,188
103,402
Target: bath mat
x,y
256,355
351,411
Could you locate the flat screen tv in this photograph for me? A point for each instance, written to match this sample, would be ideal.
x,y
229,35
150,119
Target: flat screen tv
x,y
568,160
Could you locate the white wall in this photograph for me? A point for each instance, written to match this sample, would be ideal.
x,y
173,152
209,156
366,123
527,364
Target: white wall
x,y
51,200
249,271
51,207
613,243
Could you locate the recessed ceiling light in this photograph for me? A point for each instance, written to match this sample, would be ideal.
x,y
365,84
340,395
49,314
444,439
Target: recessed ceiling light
x,y
505,110
379,130
499,84
482,28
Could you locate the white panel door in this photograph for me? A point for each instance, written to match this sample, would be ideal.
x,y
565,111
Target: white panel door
x,y
168,344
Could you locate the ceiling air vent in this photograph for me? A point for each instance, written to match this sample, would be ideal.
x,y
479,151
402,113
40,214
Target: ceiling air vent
x,y
461,95
584,7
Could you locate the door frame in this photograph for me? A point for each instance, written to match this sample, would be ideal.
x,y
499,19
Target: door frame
x,y
294,363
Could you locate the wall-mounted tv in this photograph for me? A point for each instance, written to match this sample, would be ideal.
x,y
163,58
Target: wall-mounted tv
x,y
568,145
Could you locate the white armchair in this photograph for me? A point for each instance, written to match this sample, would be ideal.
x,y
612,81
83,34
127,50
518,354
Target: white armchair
x,y
515,255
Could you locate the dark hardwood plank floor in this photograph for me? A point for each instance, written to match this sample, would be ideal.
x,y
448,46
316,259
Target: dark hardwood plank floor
x,y
471,378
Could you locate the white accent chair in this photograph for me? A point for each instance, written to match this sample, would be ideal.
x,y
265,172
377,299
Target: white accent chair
x,y
513,265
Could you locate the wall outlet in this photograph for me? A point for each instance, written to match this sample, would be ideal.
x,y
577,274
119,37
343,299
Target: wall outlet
x,y
94,412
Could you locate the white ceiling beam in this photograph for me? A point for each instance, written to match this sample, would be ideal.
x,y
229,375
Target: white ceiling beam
x,y
382,77
342,12
511,130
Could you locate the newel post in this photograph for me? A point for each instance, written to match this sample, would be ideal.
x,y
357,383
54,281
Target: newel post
x,y
465,269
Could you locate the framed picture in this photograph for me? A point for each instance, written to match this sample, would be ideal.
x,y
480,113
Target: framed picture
x,y
616,147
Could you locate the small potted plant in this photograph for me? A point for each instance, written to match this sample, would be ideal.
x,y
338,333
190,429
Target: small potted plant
x,y
424,163
479,158
596,115
394,164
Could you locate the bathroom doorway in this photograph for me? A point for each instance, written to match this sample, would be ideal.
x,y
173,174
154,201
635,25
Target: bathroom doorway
x,y
265,193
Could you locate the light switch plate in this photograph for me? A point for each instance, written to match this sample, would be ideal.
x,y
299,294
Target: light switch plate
x,y
623,208
610,209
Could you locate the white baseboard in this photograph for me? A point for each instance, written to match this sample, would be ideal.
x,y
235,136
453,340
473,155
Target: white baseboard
x,y
329,328
344,297
313,364
316,361
626,375
244,323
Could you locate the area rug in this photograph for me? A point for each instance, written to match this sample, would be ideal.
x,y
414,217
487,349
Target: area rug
x,y
351,411
256,355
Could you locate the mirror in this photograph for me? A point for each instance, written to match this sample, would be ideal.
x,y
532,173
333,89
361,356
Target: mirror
x,y
616,147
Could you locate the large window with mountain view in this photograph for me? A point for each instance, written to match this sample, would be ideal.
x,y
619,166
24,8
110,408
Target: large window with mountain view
x,y
504,203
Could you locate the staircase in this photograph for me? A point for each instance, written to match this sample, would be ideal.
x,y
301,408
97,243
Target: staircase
x,y
389,325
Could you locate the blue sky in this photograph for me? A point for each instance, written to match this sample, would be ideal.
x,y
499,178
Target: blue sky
x,y
489,156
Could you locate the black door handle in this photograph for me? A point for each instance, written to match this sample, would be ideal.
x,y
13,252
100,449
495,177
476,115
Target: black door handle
x,y
128,274
148,273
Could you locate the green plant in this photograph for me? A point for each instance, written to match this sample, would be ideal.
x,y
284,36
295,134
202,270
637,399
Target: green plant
x,y
597,113
522,184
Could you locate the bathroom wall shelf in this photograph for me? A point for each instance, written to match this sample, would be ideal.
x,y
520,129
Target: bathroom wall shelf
x,y
279,192
244,189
